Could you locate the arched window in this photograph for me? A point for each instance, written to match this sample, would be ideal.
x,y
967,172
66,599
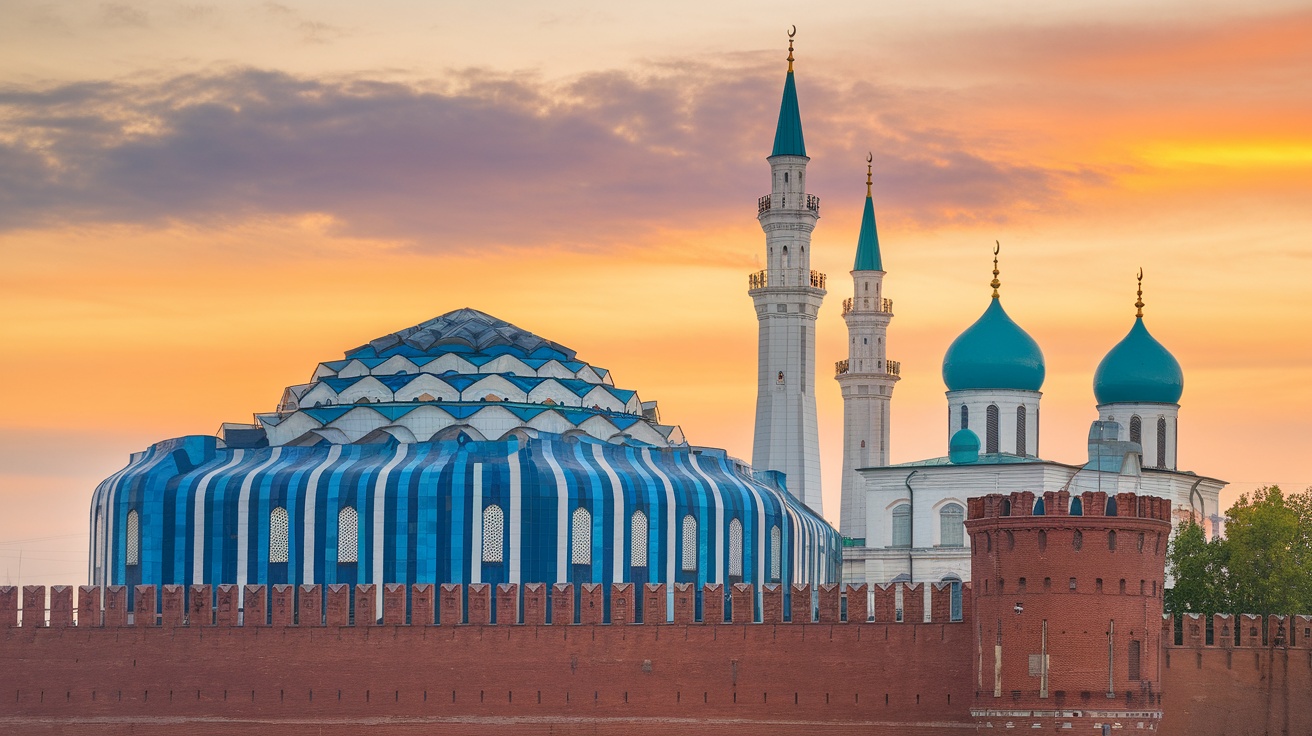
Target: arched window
x,y
348,535
1077,540
582,547
1111,541
278,529
1043,540
736,548
494,530
965,417
1161,442
776,553
1136,429
1020,431
689,543
133,541
638,539
991,429
902,526
951,522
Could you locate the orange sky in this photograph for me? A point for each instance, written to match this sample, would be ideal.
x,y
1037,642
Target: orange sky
x,y
196,206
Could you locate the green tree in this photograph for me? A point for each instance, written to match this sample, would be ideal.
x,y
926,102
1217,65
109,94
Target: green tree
x,y
1198,567
1262,566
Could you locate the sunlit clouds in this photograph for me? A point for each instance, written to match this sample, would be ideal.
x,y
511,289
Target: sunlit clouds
x,y
197,205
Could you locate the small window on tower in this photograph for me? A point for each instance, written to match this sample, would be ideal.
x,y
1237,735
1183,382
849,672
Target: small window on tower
x,y
780,379
865,341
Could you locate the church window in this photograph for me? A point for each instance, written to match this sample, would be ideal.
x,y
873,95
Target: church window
x,y
965,417
638,539
494,528
582,546
735,548
689,543
348,535
1111,541
1136,430
991,429
902,526
1161,442
278,533
776,553
133,541
1020,431
952,526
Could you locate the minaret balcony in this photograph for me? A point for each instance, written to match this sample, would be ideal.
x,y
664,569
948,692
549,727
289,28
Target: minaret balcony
x,y
883,305
817,280
761,279
891,368
758,280
780,201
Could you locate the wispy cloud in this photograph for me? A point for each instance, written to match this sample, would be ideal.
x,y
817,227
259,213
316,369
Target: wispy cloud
x,y
478,158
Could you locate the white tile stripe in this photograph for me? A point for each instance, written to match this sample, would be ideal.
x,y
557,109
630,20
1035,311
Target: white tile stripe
x,y
198,542
244,523
721,534
309,522
476,528
380,522
516,493
562,514
618,516
671,531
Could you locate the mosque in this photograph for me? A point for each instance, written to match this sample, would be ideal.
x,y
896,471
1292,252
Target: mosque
x,y
469,450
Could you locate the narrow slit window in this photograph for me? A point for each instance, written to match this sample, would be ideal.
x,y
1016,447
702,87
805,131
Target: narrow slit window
x,y
991,429
776,553
133,552
736,548
1161,442
494,531
638,539
348,535
278,532
1020,431
1136,430
582,548
689,543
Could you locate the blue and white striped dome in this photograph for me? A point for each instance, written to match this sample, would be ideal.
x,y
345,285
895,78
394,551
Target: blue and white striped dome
x,y
462,450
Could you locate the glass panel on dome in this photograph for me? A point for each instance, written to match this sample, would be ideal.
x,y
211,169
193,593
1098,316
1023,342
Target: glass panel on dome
x,y
582,546
638,539
689,543
133,538
348,535
494,529
736,548
278,532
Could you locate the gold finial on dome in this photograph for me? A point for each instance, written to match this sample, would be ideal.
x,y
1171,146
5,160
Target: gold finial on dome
x,y
791,33
1138,304
996,247
870,158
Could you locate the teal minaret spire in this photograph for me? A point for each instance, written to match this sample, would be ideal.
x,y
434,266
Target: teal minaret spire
x,y
866,379
788,134
867,243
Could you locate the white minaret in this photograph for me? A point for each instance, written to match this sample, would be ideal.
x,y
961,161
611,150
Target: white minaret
x,y
787,296
867,376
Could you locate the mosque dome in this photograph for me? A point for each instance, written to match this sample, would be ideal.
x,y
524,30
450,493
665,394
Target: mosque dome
x,y
963,447
1138,370
461,450
994,353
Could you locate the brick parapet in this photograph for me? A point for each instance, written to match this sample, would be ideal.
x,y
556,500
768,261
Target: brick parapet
x,y
342,605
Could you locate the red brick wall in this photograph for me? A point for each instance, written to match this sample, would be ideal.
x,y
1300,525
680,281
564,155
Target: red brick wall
x,y
826,678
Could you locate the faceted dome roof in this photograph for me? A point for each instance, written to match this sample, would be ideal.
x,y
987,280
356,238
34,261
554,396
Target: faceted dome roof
x,y
1138,370
994,353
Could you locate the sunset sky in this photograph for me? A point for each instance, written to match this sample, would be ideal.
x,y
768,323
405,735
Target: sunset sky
x,y
199,202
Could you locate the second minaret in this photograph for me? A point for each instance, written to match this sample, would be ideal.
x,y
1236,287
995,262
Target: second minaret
x,y
867,377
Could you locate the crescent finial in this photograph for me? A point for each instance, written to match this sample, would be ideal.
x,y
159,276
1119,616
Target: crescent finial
x,y
997,246
792,32
1138,303
1141,273
870,158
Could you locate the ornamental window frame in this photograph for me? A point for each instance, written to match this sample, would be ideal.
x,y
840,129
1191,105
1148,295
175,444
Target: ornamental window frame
x,y
494,533
581,533
279,535
348,536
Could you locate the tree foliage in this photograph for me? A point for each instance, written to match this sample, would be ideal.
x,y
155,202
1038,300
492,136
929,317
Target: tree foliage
x,y
1263,565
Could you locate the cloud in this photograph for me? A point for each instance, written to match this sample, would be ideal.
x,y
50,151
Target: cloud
x,y
478,158
121,15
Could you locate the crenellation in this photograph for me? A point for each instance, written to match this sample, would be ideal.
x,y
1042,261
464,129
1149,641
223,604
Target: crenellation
x,y
479,596
173,606
451,606
337,609
309,601
34,605
562,604
200,606
282,605
226,607
366,613
144,606
256,606
8,606
507,604
89,606
423,606
742,603
713,603
116,606
535,604
858,603
772,603
801,604
61,606
592,603
685,603
654,608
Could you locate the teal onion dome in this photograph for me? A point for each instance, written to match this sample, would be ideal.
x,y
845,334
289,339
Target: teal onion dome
x,y
1138,370
994,353
963,447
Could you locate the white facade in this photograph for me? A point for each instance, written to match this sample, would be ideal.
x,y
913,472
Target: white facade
x,y
866,380
787,296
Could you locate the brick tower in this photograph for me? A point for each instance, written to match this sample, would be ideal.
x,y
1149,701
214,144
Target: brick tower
x,y
1068,610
